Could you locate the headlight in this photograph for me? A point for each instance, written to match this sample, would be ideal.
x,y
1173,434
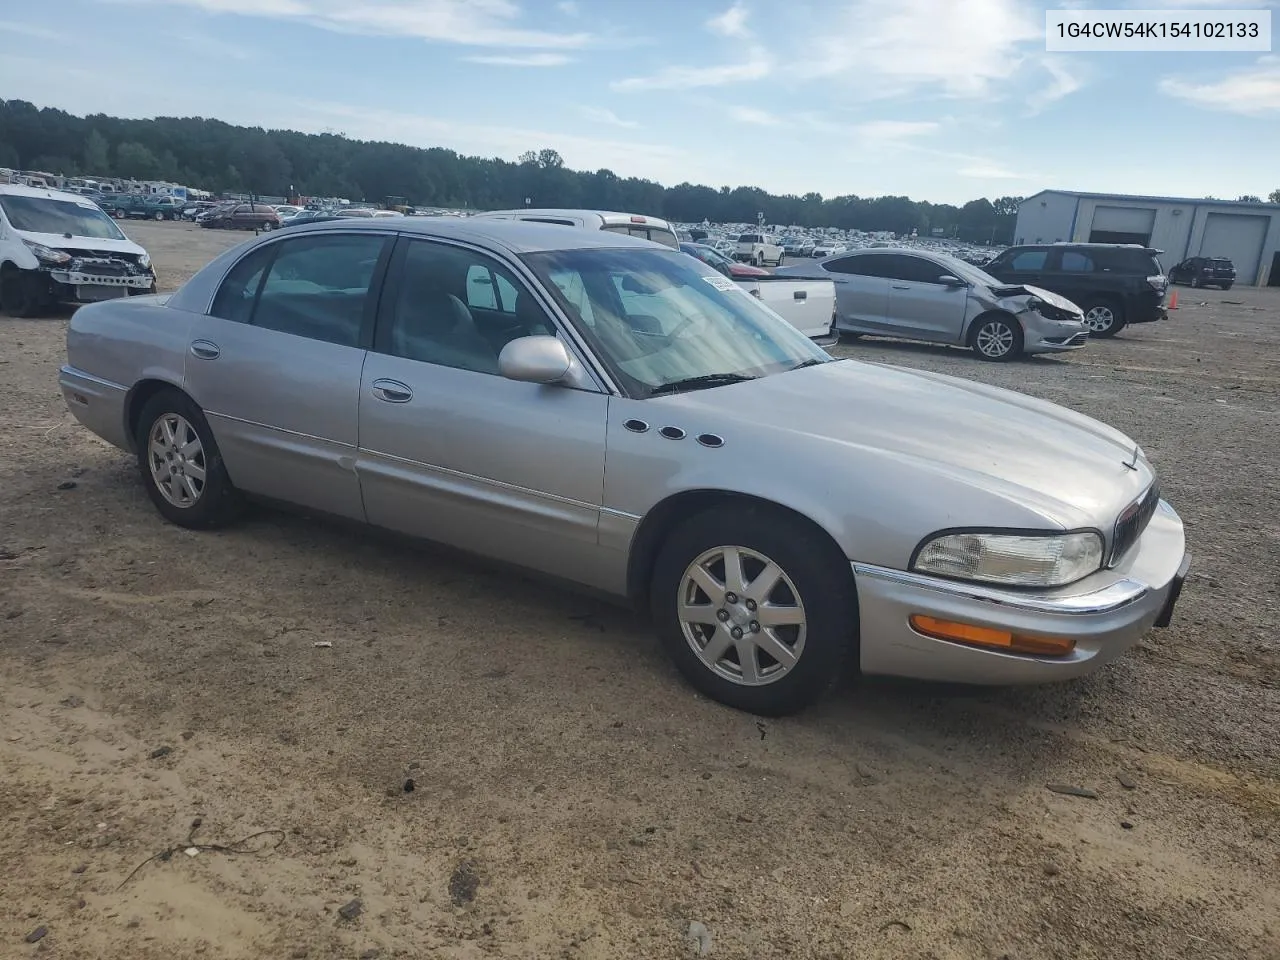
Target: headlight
x,y
1019,560
45,254
144,261
1033,303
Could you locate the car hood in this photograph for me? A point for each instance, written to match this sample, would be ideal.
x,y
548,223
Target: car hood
x,y
60,241
1012,290
1068,468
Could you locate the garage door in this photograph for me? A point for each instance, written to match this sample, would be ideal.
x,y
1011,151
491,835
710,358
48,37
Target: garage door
x,y
1238,237
1122,225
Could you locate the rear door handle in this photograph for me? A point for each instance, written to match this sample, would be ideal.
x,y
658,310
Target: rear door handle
x,y
801,295
901,286
392,391
205,349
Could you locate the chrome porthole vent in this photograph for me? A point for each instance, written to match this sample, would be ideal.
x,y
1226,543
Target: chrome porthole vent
x,y
672,433
710,440
636,426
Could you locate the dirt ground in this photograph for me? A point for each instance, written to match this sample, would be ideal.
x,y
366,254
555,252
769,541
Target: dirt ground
x,y
571,797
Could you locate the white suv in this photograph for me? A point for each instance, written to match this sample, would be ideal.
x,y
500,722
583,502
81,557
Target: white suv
x,y
758,249
57,246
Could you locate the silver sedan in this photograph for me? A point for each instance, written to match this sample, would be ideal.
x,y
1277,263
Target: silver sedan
x,y
616,414
920,295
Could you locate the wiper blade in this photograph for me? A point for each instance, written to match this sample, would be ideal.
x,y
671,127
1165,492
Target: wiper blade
x,y
699,383
811,362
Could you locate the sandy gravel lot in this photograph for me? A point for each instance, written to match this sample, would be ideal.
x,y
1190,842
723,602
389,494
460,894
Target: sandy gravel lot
x,y
572,798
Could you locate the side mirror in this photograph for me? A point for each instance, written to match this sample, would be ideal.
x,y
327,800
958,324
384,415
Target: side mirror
x,y
535,360
947,280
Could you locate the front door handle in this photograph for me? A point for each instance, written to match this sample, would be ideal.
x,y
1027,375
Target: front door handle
x,y
205,349
901,286
392,391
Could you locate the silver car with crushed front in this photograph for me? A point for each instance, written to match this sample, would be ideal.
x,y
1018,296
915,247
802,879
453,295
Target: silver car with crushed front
x,y
617,414
919,295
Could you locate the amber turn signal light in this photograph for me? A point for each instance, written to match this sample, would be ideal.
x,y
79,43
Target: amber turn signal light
x,y
976,636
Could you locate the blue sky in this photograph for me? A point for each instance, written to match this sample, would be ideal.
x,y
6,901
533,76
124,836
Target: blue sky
x,y
941,100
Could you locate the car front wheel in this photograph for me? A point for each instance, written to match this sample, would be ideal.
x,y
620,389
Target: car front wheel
x,y
1103,318
181,467
996,338
756,608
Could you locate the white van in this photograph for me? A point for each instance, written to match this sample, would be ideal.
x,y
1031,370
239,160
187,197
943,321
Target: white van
x,y
630,224
61,247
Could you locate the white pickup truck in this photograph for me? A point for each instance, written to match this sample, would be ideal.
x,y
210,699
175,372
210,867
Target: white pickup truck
x,y
808,305
759,249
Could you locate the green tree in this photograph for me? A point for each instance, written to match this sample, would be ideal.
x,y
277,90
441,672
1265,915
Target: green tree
x,y
97,157
1273,196
135,161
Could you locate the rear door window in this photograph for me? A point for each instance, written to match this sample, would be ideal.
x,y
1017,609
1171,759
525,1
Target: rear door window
x,y
1073,261
1028,261
855,266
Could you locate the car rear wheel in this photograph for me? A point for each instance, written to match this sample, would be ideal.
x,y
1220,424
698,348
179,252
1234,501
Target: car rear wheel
x,y
119,214
1227,285
1104,318
996,338
1195,282
181,467
159,215
756,608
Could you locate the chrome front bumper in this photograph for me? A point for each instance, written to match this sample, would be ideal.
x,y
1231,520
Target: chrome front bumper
x,y
76,278
1106,614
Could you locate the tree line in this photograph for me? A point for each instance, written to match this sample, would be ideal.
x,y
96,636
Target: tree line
x,y
220,157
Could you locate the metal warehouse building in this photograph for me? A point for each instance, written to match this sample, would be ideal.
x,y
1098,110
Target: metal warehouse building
x,y
1247,233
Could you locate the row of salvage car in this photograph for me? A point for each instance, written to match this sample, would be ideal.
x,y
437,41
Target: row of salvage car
x,y
601,408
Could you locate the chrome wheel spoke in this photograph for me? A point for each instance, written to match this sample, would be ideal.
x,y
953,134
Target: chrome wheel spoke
x,y
189,488
699,613
764,583
717,646
195,472
775,648
709,585
770,615
747,661
191,449
167,432
734,579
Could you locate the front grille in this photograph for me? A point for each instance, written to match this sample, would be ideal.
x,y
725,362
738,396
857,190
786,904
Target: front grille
x,y
102,255
1132,521
1080,339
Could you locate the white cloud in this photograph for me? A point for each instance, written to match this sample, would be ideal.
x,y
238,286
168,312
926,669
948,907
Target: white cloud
x,y
1253,91
1064,80
894,47
521,60
731,23
754,115
757,65
31,30
893,130
487,23
607,117
568,7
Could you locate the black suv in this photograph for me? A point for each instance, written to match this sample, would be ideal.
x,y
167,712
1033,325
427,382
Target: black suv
x,y
1204,272
1113,283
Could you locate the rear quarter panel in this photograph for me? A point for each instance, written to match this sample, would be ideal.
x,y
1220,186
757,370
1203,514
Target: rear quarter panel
x,y
805,304
127,341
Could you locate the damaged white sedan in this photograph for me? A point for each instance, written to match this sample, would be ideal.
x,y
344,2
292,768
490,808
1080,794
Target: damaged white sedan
x,y
61,247
919,295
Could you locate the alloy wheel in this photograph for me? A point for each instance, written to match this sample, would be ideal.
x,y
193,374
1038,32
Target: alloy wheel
x,y
994,339
742,615
177,460
1100,319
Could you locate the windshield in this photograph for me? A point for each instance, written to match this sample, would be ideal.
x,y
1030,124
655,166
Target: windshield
x,y
46,215
657,318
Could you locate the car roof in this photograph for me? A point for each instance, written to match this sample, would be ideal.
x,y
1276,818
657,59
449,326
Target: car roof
x,y
20,190
518,236
610,217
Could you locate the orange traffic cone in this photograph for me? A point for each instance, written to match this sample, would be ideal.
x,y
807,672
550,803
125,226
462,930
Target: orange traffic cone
x,y
1173,300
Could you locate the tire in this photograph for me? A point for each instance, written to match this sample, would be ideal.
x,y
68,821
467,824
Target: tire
x,y
216,501
23,294
1227,286
1195,283
1104,318
159,215
814,578
996,337
120,215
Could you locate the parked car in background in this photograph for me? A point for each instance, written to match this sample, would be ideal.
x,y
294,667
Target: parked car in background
x,y
806,248
783,515
1204,272
908,293
825,248
808,305
138,206
286,209
625,224
758,249
194,209
241,216
714,258
62,247
1115,284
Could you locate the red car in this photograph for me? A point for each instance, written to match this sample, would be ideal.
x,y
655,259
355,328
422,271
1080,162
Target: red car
x,y
714,258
